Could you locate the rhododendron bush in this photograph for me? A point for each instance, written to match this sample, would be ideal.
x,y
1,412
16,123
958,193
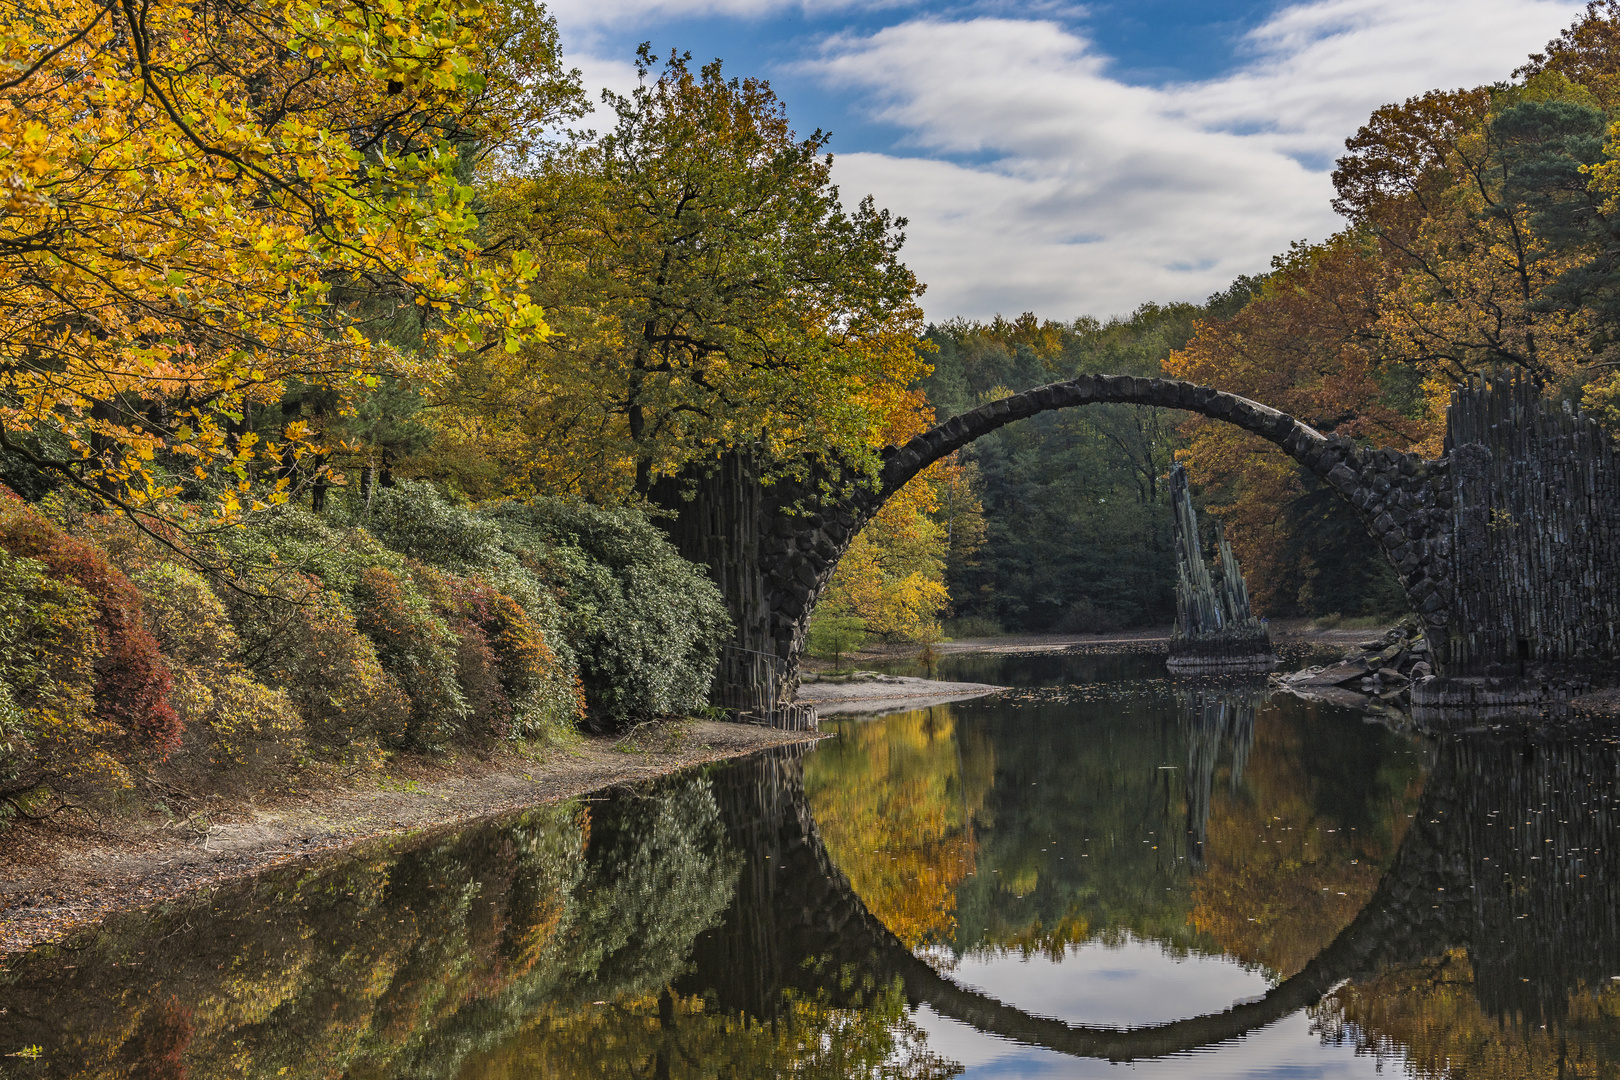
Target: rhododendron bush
x,y
321,643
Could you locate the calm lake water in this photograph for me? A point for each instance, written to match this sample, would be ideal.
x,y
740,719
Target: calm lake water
x,y
1102,873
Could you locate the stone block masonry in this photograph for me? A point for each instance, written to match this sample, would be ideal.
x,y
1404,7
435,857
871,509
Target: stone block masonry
x,y
1535,545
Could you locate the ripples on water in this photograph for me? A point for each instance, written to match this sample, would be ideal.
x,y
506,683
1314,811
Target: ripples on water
x,y
1102,866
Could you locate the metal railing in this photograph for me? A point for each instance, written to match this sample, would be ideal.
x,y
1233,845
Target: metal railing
x,y
755,685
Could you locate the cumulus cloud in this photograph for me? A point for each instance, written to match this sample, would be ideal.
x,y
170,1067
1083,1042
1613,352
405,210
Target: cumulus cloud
x,y
1035,180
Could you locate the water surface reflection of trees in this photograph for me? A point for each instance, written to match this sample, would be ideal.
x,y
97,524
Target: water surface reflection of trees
x,y
1527,986
1503,931
1204,821
399,962
698,927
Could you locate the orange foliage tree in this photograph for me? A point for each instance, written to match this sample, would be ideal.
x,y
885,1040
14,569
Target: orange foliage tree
x,y
1455,187
1308,345
1484,235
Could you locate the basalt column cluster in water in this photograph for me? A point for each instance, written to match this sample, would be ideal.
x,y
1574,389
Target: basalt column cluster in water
x,y
1215,630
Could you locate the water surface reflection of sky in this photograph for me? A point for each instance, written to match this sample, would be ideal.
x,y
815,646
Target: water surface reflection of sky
x,y
1126,985
1110,848
1286,1050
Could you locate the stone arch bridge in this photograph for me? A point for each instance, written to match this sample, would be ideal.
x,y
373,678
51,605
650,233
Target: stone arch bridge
x,y
1507,546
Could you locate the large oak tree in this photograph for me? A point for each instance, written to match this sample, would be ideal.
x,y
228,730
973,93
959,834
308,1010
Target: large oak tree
x,y
709,289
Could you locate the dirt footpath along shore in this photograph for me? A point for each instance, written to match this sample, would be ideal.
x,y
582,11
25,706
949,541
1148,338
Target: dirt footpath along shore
x,y
62,873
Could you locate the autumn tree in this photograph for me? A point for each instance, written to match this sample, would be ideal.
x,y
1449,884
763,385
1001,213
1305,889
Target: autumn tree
x,y
1587,52
1479,202
892,578
1308,343
204,202
709,291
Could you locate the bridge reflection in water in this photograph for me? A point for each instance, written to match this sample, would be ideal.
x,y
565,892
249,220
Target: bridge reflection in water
x,y
1445,909
1488,947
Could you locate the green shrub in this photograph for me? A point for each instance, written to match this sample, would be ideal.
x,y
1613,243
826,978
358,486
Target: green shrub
x,y
413,517
416,646
50,729
540,699
232,720
539,668
646,624
309,647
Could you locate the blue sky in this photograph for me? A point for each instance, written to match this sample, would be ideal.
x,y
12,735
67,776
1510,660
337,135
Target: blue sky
x,y
1081,158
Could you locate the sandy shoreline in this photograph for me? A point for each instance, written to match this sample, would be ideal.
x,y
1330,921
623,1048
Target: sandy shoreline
x,y
886,693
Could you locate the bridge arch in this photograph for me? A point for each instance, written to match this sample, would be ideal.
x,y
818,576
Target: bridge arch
x,y
1401,499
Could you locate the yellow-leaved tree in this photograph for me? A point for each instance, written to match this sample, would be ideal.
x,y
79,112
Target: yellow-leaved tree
x,y
710,291
203,200
892,577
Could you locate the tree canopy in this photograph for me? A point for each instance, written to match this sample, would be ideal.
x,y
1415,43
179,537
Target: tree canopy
x,y
199,196
708,289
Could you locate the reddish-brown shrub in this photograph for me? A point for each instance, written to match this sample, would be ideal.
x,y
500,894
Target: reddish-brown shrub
x,y
479,672
520,647
132,681
539,695
418,649
302,639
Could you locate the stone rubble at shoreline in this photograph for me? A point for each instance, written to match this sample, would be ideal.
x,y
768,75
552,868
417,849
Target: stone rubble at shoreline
x,y
1376,673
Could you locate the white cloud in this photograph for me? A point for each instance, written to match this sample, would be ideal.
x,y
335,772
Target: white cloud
x,y
583,14
1034,180
598,74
